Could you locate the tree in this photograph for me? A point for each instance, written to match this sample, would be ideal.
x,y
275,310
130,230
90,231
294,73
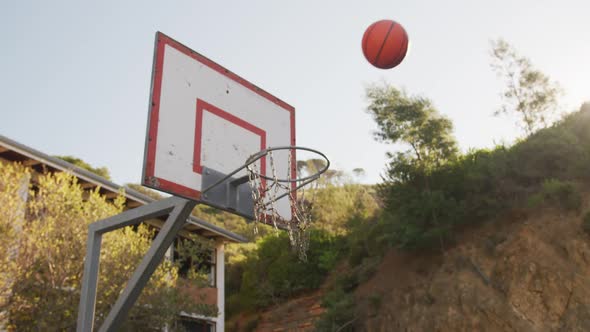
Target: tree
x,y
529,93
414,121
309,166
100,171
359,172
145,190
418,211
46,236
335,206
13,190
312,166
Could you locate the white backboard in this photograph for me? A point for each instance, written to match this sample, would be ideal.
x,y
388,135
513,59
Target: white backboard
x,y
203,115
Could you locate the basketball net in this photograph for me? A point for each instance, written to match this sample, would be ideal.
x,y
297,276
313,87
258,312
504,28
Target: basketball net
x,y
265,195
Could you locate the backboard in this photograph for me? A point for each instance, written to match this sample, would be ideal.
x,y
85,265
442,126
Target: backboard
x,y
205,119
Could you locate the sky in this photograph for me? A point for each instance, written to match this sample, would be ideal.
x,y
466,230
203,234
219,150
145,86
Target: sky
x,y
75,75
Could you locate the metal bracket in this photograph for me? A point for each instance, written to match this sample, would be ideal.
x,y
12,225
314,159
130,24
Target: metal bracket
x,y
230,194
178,210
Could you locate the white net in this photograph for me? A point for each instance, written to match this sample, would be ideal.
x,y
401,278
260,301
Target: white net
x,y
266,191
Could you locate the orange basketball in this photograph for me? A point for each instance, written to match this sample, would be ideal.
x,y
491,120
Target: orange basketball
x,y
385,44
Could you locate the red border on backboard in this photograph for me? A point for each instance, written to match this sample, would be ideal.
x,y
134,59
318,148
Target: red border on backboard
x,y
149,179
205,106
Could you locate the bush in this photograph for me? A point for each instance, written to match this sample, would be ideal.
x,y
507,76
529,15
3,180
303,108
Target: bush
x,y
39,285
340,303
367,238
586,222
423,208
273,272
334,206
422,219
339,312
375,301
559,193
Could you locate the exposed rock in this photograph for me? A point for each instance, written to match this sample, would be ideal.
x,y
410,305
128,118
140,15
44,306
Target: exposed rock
x,y
527,273
536,278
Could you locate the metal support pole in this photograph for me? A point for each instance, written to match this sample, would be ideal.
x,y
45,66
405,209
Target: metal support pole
x,y
178,210
89,281
148,265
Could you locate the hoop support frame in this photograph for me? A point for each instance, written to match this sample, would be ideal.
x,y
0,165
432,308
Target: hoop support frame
x,y
223,190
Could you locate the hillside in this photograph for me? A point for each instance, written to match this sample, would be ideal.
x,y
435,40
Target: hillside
x,y
523,273
514,274
494,240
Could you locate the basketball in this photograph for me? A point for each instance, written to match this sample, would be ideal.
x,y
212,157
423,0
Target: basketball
x,y
385,44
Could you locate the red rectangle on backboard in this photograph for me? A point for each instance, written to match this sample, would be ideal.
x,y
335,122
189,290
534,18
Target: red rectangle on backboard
x,y
203,106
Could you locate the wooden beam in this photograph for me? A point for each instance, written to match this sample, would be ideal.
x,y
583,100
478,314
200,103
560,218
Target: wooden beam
x,y
3,149
132,204
111,195
86,185
31,162
208,234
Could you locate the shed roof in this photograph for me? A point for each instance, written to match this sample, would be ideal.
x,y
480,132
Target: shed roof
x,y
16,152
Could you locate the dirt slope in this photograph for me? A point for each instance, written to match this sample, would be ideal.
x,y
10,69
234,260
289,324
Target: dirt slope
x,y
528,274
298,315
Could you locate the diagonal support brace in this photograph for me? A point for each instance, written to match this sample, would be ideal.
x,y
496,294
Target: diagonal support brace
x,y
178,210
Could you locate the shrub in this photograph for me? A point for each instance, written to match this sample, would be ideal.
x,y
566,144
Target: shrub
x,y
251,324
560,193
424,207
375,301
340,303
334,206
367,238
43,239
586,222
339,313
273,272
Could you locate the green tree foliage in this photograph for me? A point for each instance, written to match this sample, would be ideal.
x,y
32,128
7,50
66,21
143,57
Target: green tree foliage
x,y
231,222
421,212
562,194
335,206
414,121
359,172
464,190
312,166
273,272
145,190
309,166
100,171
586,222
268,271
470,189
340,312
46,238
483,184
529,93
13,190
430,189
340,301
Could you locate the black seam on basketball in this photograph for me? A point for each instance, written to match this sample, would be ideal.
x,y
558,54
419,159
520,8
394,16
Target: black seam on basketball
x,y
383,44
368,36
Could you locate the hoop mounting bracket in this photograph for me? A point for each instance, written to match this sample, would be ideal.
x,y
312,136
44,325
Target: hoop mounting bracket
x,y
231,193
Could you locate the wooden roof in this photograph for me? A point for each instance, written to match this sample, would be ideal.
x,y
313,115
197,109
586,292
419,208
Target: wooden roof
x,y
15,152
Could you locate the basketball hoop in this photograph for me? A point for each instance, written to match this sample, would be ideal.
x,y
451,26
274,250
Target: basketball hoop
x,y
267,190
